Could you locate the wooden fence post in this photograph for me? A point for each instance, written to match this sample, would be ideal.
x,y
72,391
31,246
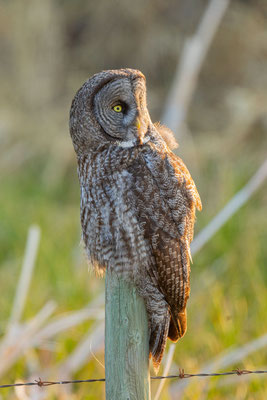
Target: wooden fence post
x,y
126,342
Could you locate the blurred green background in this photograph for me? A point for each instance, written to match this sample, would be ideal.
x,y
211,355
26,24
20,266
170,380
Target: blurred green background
x,y
48,49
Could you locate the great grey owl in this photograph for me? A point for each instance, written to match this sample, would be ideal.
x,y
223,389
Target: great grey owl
x,y
138,199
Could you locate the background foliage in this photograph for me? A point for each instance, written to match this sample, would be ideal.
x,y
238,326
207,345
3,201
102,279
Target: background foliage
x,y
48,49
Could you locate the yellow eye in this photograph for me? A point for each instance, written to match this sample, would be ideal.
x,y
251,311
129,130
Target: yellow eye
x,y
117,108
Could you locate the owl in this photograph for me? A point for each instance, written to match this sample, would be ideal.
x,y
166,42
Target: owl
x,y
138,199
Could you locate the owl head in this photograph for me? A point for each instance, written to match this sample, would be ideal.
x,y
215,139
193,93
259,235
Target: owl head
x,y
110,108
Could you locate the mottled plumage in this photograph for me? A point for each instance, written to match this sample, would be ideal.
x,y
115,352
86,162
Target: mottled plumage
x,y
138,199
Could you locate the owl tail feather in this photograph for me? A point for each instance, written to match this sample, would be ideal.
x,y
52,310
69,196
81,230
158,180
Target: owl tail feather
x,y
158,338
178,325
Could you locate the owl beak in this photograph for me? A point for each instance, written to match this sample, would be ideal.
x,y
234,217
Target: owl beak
x,y
140,133
138,123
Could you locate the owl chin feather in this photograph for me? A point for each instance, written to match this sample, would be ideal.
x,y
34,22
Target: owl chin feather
x,y
131,143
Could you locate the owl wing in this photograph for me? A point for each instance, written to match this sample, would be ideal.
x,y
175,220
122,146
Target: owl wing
x,y
166,201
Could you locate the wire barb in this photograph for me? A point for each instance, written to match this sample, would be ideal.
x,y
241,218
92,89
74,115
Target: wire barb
x,y
242,371
41,383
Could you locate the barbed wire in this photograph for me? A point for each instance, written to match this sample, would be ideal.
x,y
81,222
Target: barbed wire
x,y
181,375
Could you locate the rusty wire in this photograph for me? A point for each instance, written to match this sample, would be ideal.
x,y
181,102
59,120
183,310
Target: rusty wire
x,y
181,375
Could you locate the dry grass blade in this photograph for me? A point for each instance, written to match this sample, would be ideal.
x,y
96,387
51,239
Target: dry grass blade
x,y
63,323
91,343
30,254
228,211
12,348
192,58
167,367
